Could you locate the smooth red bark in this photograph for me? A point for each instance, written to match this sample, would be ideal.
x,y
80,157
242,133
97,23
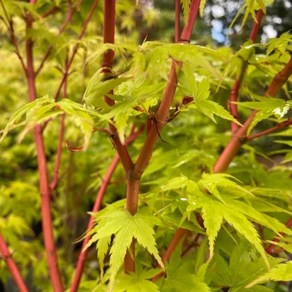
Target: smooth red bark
x,y
52,262
97,205
240,136
13,268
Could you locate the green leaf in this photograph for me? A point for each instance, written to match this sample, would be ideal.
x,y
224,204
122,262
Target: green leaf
x,y
98,88
125,228
102,247
282,272
186,8
202,6
244,227
201,93
32,108
135,282
212,221
81,116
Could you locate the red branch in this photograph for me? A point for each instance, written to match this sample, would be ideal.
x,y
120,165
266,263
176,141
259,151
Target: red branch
x,y
10,28
107,63
67,20
234,92
240,136
55,179
136,172
167,98
75,49
96,208
179,234
14,271
271,130
52,262
83,254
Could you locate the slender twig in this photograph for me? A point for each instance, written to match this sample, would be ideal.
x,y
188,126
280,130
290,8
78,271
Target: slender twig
x,y
10,27
55,179
178,236
271,248
50,247
271,130
237,84
194,243
75,49
96,207
50,12
14,271
68,18
240,136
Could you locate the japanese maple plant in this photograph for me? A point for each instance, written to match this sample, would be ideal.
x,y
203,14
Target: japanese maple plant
x,y
188,147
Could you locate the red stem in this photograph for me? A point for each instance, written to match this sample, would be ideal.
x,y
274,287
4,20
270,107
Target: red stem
x,y
107,63
237,84
75,49
96,207
240,136
52,262
67,20
178,236
256,26
188,28
10,28
55,179
271,130
137,170
14,271
167,98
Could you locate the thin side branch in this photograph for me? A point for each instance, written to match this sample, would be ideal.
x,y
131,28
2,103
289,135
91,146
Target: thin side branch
x,y
75,49
10,27
67,21
237,84
97,205
55,179
240,136
13,268
271,130
96,208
